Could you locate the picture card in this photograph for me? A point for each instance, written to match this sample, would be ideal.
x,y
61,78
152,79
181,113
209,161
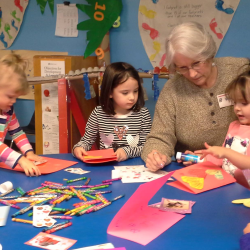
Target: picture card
x,y
76,171
39,162
177,206
50,241
4,211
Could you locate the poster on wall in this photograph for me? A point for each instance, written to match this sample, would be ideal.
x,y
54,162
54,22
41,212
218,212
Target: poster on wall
x,y
50,118
157,18
11,18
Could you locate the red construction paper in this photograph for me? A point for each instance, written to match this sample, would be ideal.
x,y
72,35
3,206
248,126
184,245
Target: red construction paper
x,y
105,155
52,165
211,182
138,222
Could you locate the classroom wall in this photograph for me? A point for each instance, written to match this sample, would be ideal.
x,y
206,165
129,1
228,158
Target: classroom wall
x,y
37,33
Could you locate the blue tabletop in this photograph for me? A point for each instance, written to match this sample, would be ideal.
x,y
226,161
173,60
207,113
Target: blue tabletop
x,y
215,223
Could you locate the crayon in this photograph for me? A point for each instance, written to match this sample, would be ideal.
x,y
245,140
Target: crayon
x,y
84,210
98,207
23,221
103,186
90,196
53,183
87,181
9,204
101,192
118,197
58,228
55,212
99,185
115,179
61,217
55,225
20,191
79,179
10,197
3,194
60,209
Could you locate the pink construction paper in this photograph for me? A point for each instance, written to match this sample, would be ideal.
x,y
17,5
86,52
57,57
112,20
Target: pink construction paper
x,y
138,222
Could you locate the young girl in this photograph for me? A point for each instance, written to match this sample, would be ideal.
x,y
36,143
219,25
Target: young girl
x,y
236,149
121,121
13,83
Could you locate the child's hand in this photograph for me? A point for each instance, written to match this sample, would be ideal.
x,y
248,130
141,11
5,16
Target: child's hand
x,y
218,152
121,155
33,157
79,153
29,168
247,229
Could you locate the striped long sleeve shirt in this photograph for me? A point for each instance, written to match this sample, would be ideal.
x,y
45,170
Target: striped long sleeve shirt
x,y
9,123
127,132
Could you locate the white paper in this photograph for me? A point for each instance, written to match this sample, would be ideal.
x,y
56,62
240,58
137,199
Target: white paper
x,y
67,20
50,120
52,67
4,211
101,246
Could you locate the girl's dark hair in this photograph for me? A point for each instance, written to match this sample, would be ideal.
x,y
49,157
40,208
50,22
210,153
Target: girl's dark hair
x,y
240,84
114,75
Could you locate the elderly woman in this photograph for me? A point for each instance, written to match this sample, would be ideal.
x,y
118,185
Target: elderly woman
x,y
192,108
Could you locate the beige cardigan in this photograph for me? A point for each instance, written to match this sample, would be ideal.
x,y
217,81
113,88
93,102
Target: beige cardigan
x,y
186,116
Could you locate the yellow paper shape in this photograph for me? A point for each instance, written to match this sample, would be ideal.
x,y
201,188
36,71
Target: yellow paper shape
x,y
194,182
91,157
246,202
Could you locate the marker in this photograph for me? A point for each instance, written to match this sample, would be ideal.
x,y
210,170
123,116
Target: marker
x,y
23,221
20,191
79,179
115,179
58,228
7,192
61,217
60,209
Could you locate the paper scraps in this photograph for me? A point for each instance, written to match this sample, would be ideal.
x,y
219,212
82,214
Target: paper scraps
x,y
101,246
245,202
177,206
49,241
194,182
76,171
217,173
137,173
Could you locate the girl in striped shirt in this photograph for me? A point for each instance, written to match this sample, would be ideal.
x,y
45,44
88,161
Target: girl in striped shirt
x,y
121,121
13,83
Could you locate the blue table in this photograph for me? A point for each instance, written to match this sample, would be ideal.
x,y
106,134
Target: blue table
x,y
215,222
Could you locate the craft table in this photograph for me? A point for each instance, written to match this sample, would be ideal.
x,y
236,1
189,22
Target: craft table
x,y
215,223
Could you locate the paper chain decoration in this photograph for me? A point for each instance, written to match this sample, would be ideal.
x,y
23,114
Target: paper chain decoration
x,y
102,15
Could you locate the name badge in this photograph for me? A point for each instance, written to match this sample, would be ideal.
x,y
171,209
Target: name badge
x,y
224,101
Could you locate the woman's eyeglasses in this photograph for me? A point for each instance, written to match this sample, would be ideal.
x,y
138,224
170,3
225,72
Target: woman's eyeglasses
x,y
195,66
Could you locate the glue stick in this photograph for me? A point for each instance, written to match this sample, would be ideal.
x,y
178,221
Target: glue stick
x,y
188,157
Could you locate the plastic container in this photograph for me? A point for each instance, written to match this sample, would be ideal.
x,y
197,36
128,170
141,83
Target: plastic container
x,y
188,157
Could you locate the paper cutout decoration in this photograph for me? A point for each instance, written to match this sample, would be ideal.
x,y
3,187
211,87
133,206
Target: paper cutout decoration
x,y
100,156
156,19
4,211
11,17
102,15
210,181
138,222
246,202
52,165
42,4
194,182
216,173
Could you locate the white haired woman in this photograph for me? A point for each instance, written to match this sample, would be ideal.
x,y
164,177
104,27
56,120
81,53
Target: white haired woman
x,y
192,108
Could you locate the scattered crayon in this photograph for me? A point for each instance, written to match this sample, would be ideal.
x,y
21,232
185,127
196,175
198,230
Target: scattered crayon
x,y
115,179
79,179
23,221
58,228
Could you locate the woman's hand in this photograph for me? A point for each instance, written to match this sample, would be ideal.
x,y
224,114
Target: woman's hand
x,y
79,153
156,161
121,155
218,152
28,166
33,157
